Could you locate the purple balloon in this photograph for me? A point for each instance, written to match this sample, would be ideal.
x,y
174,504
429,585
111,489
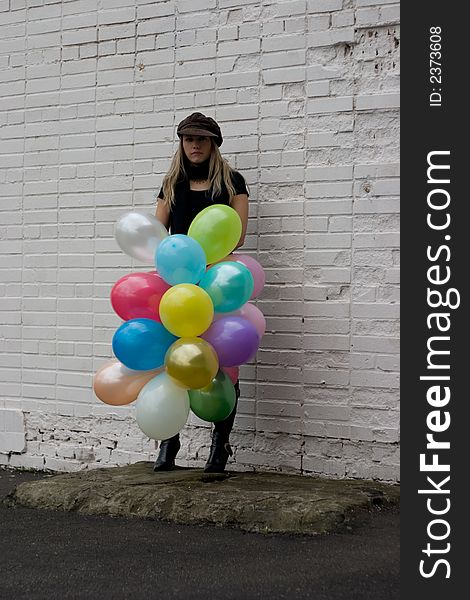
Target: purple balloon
x,y
234,339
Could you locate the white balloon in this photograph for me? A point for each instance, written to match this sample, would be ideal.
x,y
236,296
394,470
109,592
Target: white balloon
x,y
139,234
162,408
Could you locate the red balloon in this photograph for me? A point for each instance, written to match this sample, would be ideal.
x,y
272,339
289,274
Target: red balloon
x,y
232,372
138,295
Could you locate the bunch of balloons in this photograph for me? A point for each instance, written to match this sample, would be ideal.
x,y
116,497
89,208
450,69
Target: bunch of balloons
x,y
188,325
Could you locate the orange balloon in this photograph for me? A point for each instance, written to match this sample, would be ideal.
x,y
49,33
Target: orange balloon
x,y
116,385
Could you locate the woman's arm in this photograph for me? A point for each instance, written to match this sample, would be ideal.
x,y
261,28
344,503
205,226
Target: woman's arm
x,y
163,213
240,204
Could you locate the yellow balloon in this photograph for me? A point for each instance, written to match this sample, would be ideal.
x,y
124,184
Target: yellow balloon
x,y
217,228
186,310
191,362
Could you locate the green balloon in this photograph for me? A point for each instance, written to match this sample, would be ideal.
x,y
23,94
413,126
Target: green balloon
x,y
217,228
214,402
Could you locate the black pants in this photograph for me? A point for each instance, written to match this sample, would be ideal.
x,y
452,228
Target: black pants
x,y
223,427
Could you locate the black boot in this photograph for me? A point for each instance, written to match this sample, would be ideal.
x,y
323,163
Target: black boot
x,y
166,457
220,447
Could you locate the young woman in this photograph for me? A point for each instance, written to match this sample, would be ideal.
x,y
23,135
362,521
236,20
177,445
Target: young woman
x,y
198,177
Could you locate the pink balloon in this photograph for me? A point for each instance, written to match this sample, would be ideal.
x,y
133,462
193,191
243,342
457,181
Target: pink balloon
x,y
232,372
138,295
255,268
252,313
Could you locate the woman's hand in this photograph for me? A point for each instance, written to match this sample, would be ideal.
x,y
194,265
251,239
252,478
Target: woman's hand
x,y
240,204
163,213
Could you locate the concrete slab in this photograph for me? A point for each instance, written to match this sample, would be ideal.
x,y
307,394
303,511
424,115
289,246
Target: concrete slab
x,y
258,502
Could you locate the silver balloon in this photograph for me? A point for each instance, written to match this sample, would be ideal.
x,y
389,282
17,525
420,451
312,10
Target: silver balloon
x,y
139,234
162,408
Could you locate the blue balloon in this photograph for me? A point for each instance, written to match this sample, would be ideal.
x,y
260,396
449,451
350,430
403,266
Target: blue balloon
x,y
141,344
229,284
180,259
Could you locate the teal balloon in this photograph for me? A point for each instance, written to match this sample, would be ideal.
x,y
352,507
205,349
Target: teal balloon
x,y
229,284
141,344
180,259
214,402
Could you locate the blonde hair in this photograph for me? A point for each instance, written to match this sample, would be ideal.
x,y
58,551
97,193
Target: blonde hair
x,y
219,173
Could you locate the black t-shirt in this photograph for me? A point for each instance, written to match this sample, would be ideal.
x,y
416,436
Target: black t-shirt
x,y
188,203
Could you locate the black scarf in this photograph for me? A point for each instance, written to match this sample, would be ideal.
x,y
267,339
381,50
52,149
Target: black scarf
x,y
182,212
196,172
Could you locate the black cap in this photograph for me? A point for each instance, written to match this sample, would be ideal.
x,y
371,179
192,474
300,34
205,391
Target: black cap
x,y
199,124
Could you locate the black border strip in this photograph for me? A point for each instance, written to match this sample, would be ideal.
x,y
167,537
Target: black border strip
x,y
431,127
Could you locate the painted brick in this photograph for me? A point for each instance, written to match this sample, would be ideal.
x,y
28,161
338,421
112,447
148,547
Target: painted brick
x,y
314,6
283,59
330,105
87,141
331,37
283,42
378,101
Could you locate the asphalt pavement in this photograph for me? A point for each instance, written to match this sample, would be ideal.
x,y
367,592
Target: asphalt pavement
x,y
61,555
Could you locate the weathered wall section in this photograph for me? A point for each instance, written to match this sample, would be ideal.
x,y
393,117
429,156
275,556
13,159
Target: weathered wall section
x,y
306,92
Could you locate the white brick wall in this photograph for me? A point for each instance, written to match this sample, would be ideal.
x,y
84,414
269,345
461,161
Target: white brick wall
x,y
306,92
